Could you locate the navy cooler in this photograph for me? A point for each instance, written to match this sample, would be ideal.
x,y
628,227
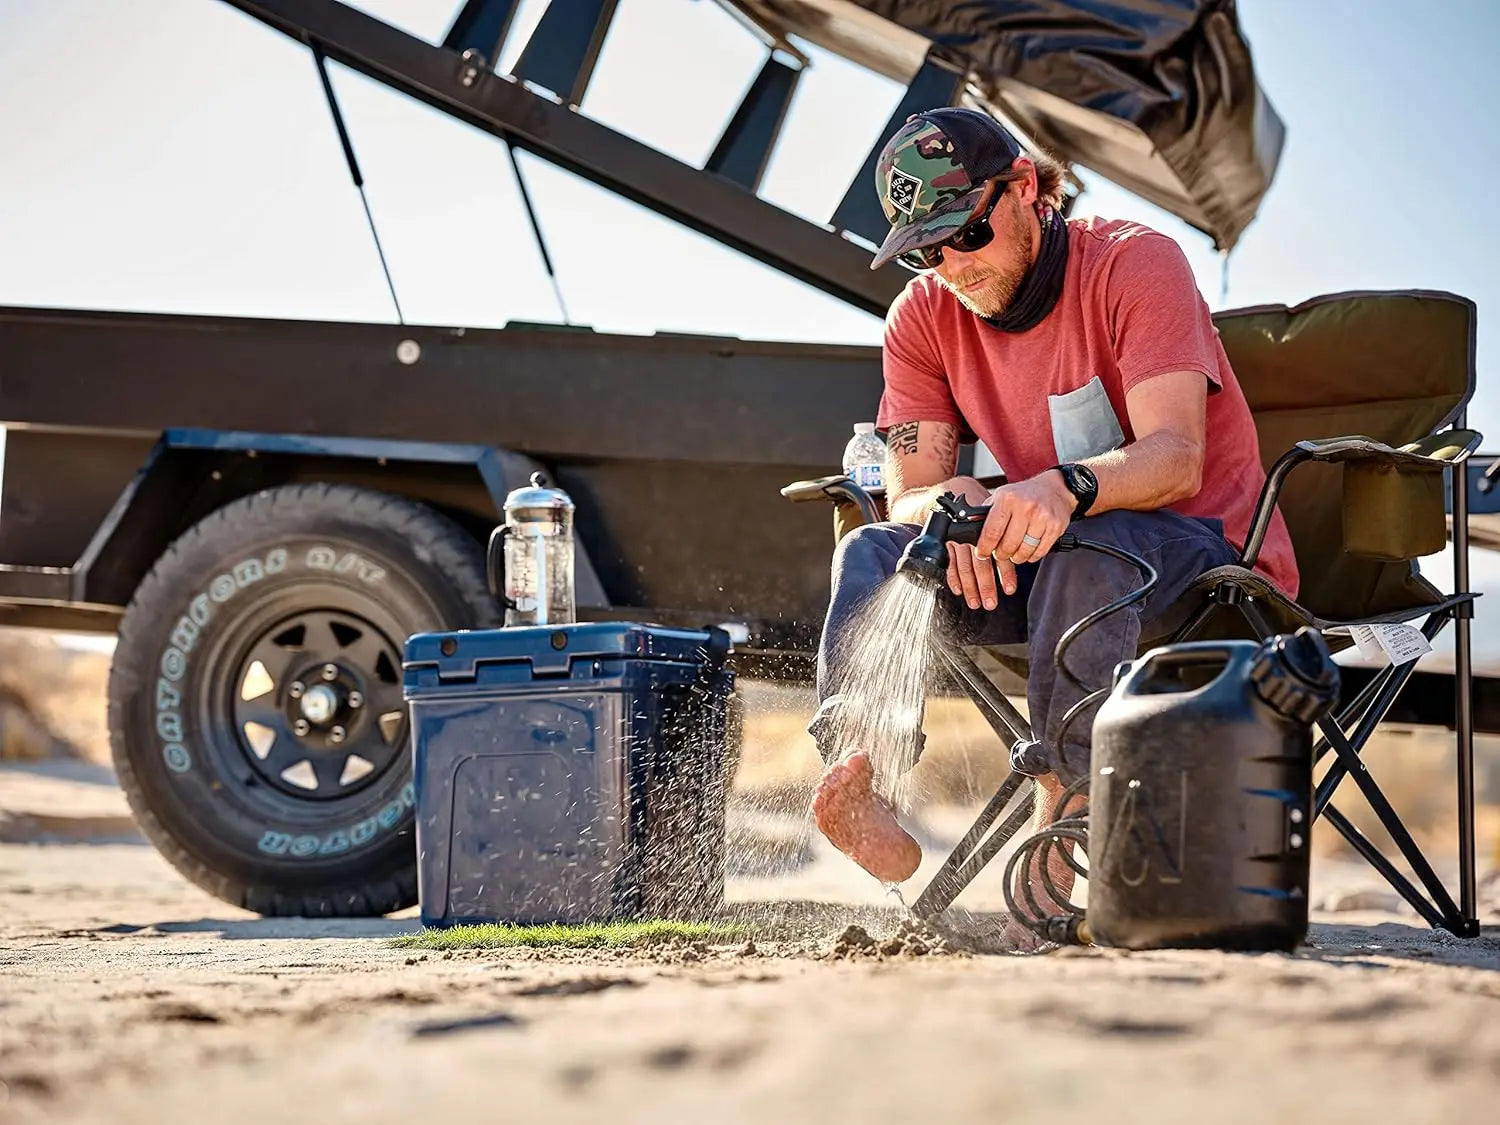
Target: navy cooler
x,y
570,773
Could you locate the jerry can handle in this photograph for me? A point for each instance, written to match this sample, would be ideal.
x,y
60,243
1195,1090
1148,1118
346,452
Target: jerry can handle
x,y
1236,657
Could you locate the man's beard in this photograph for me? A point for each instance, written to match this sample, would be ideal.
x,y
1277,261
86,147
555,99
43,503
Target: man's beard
x,y
994,297
1000,286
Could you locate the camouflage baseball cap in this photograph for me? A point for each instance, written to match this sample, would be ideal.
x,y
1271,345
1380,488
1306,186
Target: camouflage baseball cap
x,y
931,174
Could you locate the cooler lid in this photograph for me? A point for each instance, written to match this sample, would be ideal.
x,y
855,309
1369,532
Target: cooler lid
x,y
550,649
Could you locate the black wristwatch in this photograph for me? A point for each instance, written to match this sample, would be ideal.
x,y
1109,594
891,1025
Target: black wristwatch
x,y
1082,483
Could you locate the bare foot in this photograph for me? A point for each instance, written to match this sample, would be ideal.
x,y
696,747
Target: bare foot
x,y
861,825
1022,937
1049,789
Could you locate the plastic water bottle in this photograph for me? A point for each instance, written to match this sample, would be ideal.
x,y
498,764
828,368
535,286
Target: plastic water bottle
x,y
864,458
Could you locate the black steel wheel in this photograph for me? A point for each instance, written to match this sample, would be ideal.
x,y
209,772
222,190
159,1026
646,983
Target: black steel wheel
x,y
316,700
256,714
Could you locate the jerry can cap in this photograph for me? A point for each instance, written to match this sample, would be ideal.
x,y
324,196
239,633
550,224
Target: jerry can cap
x,y
1295,675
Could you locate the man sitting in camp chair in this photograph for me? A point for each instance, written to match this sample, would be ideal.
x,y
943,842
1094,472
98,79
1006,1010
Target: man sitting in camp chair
x,y
1082,354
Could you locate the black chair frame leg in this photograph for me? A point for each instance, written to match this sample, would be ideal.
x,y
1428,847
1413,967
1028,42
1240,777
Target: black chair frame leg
x,y
1437,906
974,851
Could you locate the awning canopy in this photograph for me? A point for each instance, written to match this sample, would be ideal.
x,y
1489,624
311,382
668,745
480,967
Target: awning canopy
x,y
1159,97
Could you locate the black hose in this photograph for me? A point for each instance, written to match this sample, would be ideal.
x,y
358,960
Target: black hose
x,y
1149,575
1067,828
1148,572
1040,847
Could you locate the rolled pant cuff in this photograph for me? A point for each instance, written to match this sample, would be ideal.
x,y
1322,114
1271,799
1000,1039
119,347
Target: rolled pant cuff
x,y
824,728
1032,758
1036,758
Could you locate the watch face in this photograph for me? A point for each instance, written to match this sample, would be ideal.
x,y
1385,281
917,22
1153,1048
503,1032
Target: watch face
x,y
1083,484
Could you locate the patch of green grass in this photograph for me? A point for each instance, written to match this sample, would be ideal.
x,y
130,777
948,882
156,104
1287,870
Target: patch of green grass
x,y
590,936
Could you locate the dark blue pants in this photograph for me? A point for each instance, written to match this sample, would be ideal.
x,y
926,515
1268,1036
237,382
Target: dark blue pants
x,y
1050,596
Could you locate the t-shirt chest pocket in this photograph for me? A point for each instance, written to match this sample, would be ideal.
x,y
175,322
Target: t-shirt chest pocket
x,y
1084,422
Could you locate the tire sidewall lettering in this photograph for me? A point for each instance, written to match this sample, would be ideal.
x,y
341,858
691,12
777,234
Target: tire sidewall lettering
x,y
323,557
173,664
342,839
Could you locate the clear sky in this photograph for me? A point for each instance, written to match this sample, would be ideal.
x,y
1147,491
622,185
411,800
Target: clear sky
x,y
176,156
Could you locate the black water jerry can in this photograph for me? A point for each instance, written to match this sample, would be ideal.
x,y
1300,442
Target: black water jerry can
x,y
1201,797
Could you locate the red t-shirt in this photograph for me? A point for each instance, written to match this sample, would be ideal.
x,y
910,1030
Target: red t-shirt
x,y
1130,309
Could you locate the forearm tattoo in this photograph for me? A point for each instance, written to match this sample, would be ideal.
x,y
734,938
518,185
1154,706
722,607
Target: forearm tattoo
x,y
945,445
941,443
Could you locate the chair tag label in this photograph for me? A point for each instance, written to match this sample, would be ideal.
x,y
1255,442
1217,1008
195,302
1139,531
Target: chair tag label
x,y
1391,642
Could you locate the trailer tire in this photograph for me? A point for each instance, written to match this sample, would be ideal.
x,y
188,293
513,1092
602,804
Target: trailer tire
x,y
255,709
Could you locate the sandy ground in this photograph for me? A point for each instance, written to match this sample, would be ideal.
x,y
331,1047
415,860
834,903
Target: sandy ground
x,y
128,996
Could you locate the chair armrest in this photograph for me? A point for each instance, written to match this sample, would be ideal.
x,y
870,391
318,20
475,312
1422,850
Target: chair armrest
x,y
801,491
839,489
1433,453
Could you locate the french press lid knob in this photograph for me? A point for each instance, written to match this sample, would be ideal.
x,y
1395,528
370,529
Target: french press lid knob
x,y
538,496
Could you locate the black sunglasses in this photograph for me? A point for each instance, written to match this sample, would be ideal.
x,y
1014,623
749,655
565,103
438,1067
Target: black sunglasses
x,y
974,235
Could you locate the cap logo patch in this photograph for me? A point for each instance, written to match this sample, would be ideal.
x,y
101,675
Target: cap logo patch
x,y
902,191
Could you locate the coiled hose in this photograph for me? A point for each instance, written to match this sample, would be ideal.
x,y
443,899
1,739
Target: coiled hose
x,y
1068,831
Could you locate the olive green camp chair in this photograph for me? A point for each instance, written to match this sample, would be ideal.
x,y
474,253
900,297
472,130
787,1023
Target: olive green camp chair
x,y
1397,370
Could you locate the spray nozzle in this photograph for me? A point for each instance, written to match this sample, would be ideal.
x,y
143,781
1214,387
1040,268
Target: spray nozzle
x,y
952,520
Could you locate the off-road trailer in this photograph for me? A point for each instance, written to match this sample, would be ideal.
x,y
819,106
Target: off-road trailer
x,y
259,507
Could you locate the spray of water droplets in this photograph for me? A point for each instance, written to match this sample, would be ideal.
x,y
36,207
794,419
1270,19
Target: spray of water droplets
x,y
887,654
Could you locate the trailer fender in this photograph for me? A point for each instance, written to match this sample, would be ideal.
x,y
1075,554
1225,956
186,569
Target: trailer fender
x,y
192,472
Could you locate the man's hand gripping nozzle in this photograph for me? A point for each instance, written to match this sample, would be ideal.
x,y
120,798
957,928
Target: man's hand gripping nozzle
x,y
952,520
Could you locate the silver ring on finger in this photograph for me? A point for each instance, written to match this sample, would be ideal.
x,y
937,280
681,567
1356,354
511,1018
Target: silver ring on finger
x,y
1031,541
